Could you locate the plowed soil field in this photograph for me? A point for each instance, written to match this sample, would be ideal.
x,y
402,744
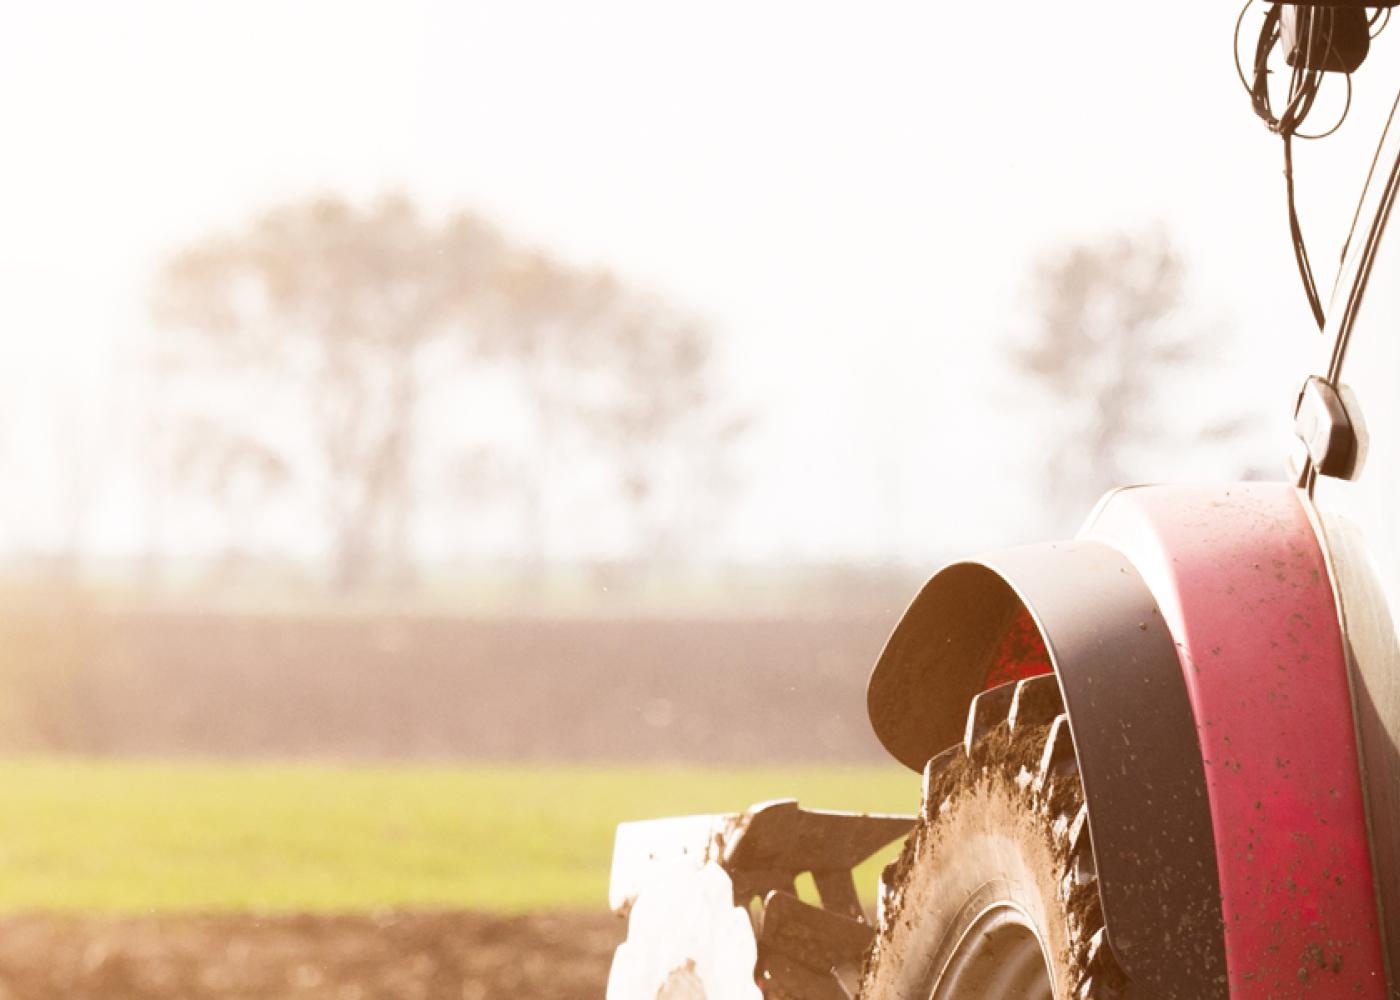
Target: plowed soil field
x,y
393,956
378,687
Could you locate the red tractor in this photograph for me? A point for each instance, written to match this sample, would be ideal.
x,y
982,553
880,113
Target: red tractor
x,y
1160,760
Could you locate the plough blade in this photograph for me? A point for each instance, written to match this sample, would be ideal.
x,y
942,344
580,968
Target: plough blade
x,y
690,886
806,952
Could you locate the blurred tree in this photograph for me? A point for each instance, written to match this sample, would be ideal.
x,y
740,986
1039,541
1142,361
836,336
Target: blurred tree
x,y
1105,328
83,436
237,472
325,327
346,306
603,363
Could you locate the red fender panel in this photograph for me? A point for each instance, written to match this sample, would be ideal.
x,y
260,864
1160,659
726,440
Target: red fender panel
x,y
1240,578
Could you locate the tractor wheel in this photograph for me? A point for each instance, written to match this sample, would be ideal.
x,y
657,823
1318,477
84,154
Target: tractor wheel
x,y
995,895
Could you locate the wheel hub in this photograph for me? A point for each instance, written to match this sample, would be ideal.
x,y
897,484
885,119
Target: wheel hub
x,y
999,955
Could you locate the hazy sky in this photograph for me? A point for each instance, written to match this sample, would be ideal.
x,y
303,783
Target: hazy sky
x,y
851,195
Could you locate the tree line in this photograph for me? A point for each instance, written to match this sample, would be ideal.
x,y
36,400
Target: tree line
x,y
326,349
344,385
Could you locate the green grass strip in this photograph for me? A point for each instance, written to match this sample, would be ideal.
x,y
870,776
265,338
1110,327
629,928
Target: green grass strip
x,y
132,837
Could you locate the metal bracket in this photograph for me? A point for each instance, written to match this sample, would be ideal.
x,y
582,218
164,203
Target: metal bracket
x,y
1322,423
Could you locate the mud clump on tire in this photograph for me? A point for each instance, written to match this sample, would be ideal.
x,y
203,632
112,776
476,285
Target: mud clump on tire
x,y
960,773
1006,781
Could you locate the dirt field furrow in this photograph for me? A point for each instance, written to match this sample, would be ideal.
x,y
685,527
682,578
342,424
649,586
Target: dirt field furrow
x,y
391,956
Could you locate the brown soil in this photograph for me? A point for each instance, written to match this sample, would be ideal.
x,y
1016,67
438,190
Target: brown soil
x,y
394,956
376,687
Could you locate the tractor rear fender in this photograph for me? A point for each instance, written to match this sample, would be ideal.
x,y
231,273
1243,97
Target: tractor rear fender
x,y
1195,638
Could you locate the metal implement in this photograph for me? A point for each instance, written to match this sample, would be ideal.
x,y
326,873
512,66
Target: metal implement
x,y
713,907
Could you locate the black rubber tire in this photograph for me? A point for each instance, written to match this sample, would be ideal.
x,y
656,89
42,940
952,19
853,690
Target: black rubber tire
x,y
995,895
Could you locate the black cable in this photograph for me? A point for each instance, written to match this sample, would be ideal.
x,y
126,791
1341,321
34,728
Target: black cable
x,y
1295,229
1346,110
1304,84
1239,67
1259,89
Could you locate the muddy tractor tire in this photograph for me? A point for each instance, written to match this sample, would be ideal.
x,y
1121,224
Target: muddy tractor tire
x,y
995,895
